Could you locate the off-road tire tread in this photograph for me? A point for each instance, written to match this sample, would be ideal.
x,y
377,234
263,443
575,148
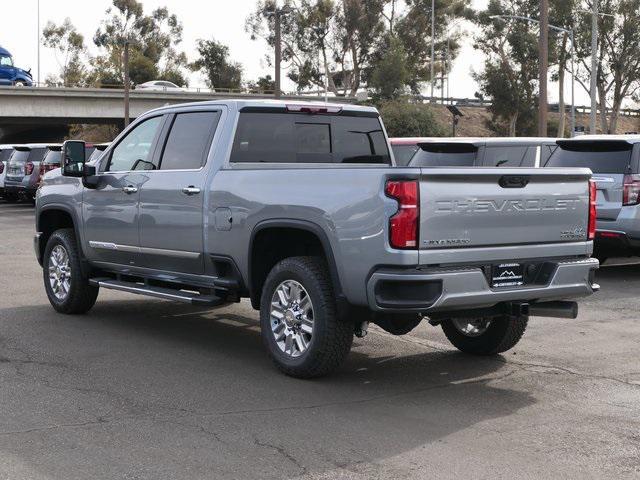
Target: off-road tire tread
x,y
338,334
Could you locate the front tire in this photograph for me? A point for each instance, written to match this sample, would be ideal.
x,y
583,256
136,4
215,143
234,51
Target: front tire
x,y
300,328
485,336
67,287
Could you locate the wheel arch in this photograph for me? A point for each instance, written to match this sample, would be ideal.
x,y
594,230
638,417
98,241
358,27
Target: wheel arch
x,y
256,271
51,218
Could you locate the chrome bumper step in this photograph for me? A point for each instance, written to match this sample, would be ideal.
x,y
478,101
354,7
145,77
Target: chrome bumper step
x,y
158,292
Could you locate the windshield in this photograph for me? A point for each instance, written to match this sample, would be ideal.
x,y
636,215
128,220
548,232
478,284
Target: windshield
x,y
600,157
445,155
53,157
6,61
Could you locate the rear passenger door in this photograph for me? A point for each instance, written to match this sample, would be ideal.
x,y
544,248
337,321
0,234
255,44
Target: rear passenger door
x,y
173,193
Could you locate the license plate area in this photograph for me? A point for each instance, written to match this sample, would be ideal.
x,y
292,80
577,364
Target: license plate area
x,y
508,275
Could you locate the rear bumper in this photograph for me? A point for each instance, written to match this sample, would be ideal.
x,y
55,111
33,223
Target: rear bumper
x,y
431,291
20,188
615,241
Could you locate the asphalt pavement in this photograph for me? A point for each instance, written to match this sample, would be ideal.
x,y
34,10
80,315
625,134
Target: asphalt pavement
x,y
142,388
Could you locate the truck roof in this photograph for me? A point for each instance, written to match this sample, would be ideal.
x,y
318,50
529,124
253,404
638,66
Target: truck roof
x,y
631,139
269,103
476,141
29,146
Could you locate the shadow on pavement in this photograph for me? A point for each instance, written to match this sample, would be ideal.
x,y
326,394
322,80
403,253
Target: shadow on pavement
x,y
162,389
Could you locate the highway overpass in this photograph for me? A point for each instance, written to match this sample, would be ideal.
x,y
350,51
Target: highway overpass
x,y
31,109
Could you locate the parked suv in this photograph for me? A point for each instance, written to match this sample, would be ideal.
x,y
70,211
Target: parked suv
x,y
297,207
23,170
5,153
12,75
615,163
483,152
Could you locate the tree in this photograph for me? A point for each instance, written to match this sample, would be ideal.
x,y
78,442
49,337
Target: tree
x,y
404,119
264,84
153,41
323,39
389,73
510,72
339,41
618,74
220,72
413,28
68,46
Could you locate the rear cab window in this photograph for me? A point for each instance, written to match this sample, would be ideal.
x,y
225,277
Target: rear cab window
x,y
403,154
510,156
445,155
286,137
602,156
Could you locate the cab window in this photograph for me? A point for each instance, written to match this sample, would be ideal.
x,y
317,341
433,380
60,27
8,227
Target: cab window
x,y
6,61
135,150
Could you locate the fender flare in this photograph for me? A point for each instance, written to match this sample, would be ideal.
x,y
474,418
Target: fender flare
x,y
310,227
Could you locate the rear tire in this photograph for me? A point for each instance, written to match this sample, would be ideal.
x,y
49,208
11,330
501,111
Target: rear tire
x,y
66,285
485,336
300,328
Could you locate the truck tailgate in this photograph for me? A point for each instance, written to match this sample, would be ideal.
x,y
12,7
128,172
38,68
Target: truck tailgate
x,y
481,207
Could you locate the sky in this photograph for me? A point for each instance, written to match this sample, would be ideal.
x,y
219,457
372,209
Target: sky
x,y
220,19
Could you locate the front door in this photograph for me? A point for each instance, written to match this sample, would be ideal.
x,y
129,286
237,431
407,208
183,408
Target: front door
x,y
111,210
172,196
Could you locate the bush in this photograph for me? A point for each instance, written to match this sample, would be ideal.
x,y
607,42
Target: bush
x,y
403,119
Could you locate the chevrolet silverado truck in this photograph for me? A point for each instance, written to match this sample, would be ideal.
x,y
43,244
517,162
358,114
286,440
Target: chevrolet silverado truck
x,y
299,207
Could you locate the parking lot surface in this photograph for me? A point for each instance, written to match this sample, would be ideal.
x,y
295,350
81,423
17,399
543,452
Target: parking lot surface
x,y
146,389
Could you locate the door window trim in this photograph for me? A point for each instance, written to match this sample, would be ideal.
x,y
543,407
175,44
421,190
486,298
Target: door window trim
x,y
166,131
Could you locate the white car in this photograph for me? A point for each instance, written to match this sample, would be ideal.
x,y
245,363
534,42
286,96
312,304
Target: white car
x,y
160,86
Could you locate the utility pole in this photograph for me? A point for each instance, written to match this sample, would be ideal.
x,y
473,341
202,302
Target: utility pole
x,y
278,31
38,19
543,55
126,83
278,13
594,69
433,48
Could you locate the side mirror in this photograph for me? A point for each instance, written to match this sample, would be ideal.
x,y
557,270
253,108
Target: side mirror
x,y
73,158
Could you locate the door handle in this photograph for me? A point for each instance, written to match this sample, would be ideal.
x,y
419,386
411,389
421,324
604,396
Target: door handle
x,y
129,189
191,190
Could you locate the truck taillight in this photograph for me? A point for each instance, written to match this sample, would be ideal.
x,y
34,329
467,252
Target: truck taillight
x,y
631,190
593,213
28,168
403,226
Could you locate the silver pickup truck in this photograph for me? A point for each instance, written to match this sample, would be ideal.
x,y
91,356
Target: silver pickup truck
x,y
299,208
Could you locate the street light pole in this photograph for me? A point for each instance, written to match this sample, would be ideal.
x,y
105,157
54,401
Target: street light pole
x,y
543,58
594,68
433,47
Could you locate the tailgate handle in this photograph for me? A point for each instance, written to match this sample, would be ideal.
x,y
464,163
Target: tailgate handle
x,y
513,181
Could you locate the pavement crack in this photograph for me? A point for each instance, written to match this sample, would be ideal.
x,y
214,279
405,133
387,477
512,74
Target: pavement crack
x,y
283,452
